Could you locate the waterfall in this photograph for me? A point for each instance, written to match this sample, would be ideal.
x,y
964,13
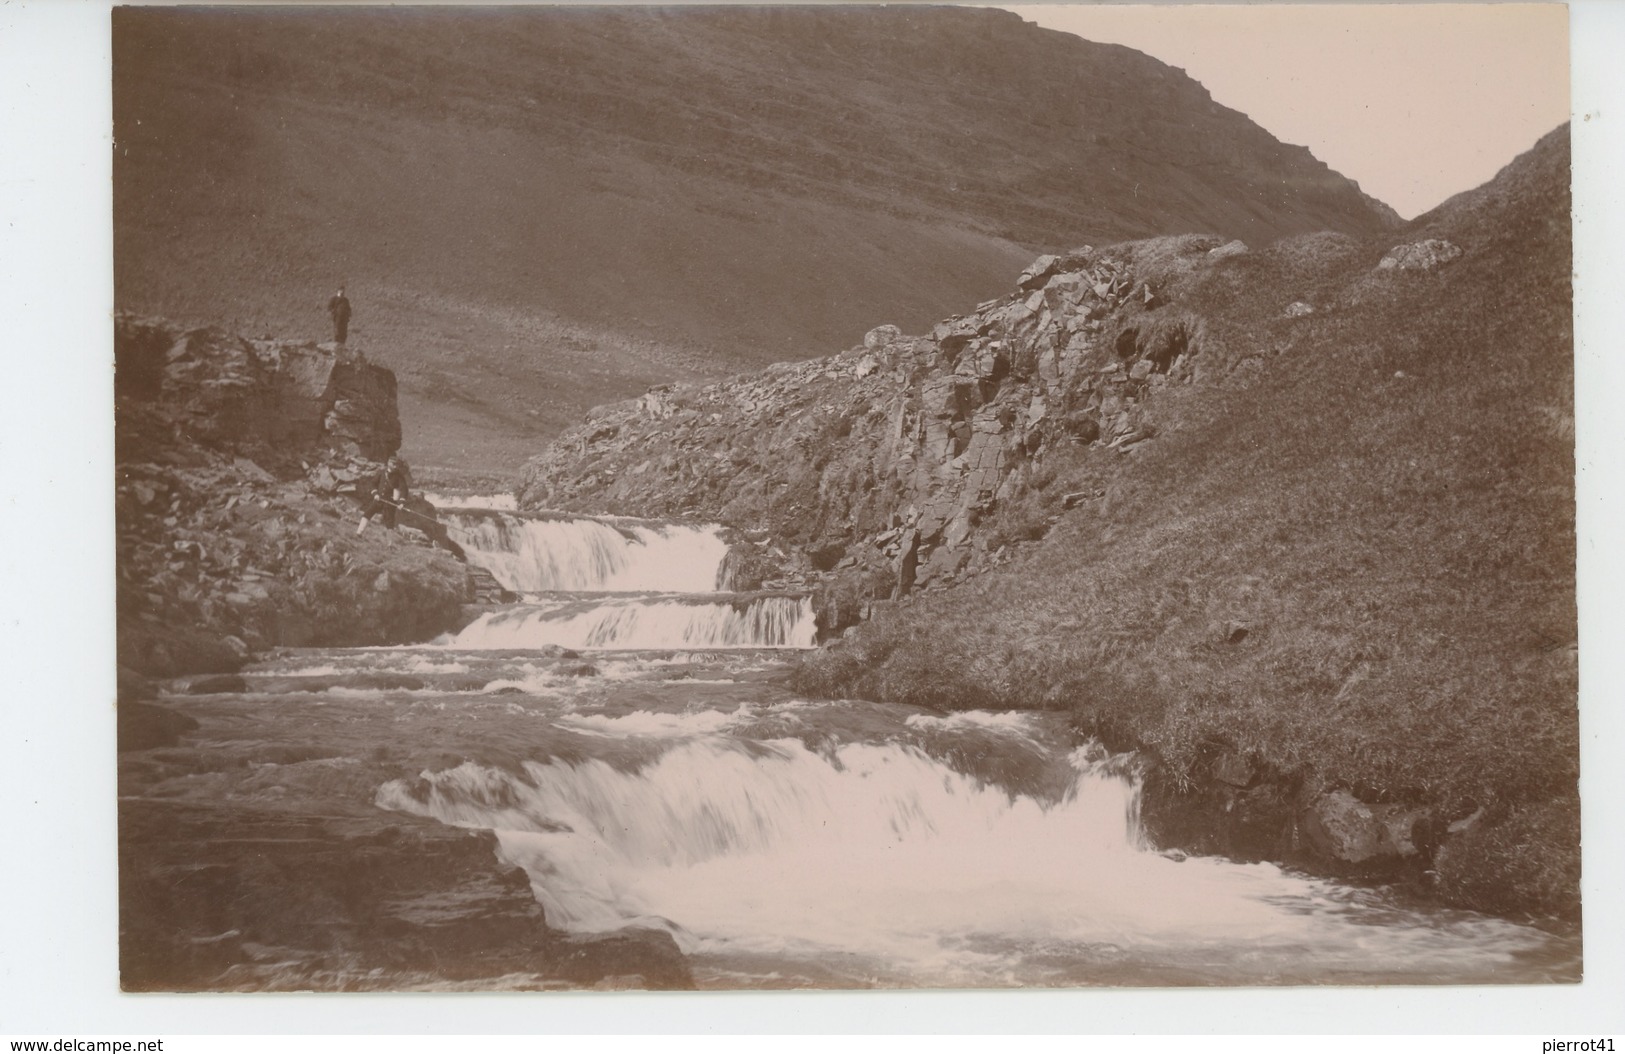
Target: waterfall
x,y
911,850
890,832
647,622
535,554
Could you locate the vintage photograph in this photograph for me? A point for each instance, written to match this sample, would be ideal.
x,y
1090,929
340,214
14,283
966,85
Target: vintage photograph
x,y
844,497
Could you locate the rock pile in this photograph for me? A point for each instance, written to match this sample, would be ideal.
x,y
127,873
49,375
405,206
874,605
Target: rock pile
x,y
882,466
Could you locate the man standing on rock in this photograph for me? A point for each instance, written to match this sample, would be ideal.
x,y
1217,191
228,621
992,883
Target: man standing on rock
x,y
339,308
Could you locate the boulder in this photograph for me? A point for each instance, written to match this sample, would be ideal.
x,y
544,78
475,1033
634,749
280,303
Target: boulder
x,y
881,336
944,560
1348,831
1298,309
1038,272
1420,256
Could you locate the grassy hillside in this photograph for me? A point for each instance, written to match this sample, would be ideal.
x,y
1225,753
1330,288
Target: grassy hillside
x,y
1347,557
540,210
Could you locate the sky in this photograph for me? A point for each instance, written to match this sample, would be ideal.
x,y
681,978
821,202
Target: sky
x,y
1415,102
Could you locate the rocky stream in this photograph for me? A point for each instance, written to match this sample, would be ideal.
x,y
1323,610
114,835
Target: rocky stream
x,y
607,783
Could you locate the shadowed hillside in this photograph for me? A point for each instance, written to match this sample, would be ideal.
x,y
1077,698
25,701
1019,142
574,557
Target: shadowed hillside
x,y
537,210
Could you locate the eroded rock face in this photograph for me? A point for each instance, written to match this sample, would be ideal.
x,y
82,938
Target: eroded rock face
x,y
239,468
1420,256
1350,831
254,855
223,389
218,560
885,462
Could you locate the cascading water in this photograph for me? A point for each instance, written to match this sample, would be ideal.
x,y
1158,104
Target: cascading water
x,y
894,847
674,567
689,622
543,553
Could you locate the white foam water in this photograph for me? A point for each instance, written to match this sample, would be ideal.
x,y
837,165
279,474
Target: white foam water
x,y
647,623
536,555
909,870
496,502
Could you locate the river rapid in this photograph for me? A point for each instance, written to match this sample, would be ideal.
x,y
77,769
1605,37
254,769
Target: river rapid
x,y
664,776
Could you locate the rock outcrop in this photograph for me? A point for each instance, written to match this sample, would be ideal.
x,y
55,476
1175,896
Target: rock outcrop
x,y
302,894
265,397
888,465
239,464
1426,255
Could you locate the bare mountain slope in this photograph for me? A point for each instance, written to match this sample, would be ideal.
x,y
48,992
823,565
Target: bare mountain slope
x,y
540,209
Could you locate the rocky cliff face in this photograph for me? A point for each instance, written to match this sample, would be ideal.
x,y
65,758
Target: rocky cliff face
x,y
276,399
238,464
905,462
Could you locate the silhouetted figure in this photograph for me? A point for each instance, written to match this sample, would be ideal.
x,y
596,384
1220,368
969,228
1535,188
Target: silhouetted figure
x,y
392,503
389,493
339,308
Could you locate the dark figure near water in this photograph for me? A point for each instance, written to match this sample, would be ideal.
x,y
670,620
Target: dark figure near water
x,y
339,308
390,492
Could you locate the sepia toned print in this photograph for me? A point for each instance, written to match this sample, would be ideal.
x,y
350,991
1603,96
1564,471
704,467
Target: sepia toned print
x,y
820,497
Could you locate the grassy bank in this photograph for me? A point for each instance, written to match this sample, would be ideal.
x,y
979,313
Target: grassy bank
x,y
1348,556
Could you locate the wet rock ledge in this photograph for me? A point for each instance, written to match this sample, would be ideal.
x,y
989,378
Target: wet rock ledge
x,y
252,858
230,898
